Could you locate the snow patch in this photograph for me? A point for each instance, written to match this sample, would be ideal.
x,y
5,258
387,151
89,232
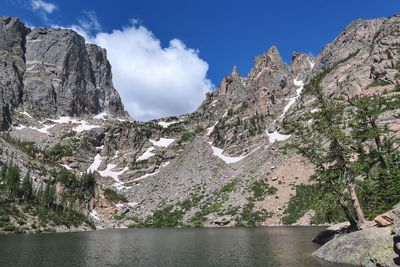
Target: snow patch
x,y
26,114
64,119
95,165
165,164
292,100
45,128
166,124
211,129
219,153
314,110
109,173
20,127
163,142
214,102
312,64
66,167
147,154
145,176
131,204
84,126
276,137
101,116
94,215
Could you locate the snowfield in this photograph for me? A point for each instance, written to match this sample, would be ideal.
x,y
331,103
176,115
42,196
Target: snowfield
x,y
166,124
95,165
228,160
292,100
147,154
276,137
163,142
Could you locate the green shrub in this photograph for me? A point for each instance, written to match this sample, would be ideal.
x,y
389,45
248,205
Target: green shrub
x,y
378,82
261,189
186,136
114,196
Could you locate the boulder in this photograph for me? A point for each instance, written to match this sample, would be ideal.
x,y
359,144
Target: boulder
x,y
271,129
369,247
223,220
385,219
330,233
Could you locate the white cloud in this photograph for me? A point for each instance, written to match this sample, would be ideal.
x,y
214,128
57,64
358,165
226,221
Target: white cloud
x,y
89,22
153,81
43,6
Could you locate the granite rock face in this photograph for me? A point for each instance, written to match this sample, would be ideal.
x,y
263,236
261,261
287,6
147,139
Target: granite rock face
x,y
12,66
52,72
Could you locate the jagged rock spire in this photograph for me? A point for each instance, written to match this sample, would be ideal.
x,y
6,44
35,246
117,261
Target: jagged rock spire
x,y
235,72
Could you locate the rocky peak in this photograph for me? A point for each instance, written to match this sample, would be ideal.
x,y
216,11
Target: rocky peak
x,y
12,36
108,97
235,72
12,66
52,72
232,86
301,65
271,59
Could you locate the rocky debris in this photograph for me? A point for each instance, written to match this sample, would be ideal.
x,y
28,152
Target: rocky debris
x,y
385,219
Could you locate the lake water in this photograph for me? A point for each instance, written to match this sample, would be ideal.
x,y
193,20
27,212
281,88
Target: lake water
x,y
259,246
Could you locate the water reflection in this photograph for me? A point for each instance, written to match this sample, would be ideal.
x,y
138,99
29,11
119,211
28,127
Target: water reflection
x,y
263,246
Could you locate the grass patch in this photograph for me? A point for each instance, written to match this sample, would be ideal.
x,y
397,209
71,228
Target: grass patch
x,y
376,83
114,196
261,189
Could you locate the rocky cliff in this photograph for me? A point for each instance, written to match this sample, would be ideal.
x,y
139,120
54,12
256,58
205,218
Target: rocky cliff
x,y
52,72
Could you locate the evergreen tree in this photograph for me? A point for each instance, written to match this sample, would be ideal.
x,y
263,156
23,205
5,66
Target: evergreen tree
x,y
13,180
378,156
352,153
26,187
322,138
48,196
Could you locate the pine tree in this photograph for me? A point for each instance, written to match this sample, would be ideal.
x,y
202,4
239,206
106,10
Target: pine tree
x,y
13,180
3,171
322,138
26,187
48,196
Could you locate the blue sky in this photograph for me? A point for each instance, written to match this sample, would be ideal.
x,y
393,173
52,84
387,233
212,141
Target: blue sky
x,y
224,32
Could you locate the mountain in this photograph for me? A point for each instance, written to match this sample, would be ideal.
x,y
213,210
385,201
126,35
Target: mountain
x,y
225,164
52,72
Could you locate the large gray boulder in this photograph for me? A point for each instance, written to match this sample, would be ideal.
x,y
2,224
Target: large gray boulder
x,y
369,247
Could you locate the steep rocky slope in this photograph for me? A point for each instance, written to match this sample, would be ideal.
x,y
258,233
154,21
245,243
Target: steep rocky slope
x,y
223,165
